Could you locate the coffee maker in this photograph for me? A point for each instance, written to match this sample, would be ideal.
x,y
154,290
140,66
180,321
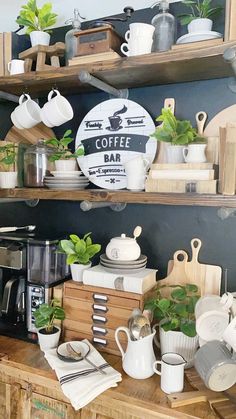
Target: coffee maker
x,y
30,268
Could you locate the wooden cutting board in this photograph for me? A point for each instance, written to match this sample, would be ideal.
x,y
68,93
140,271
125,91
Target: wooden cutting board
x,y
206,277
202,395
178,273
220,120
31,135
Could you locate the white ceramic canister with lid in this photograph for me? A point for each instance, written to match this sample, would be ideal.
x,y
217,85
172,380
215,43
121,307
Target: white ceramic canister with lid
x,y
124,248
212,318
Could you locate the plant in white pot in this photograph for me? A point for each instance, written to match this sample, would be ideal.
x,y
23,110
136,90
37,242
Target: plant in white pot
x,y
176,320
79,254
48,333
176,134
64,159
37,21
8,174
201,14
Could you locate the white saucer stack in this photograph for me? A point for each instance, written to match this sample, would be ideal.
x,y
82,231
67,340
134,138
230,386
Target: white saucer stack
x,y
123,267
66,180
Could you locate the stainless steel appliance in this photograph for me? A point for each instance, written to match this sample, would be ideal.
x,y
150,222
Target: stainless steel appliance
x,y
29,269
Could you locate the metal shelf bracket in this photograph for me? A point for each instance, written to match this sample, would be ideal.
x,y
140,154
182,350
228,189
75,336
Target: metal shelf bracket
x,y
115,206
9,97
30,202
86,77
230,58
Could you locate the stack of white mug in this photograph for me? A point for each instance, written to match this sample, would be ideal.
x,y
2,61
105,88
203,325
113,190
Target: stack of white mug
x,y
55,112
136,170
139,39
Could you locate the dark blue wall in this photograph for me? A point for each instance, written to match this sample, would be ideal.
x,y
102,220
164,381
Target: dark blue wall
x,y
165,228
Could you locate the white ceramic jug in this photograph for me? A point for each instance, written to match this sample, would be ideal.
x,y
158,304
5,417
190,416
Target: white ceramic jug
x,y
139,357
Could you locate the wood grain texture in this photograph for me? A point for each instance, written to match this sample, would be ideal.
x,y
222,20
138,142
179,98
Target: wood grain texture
x,y
146,70
229,167
29,371
31,135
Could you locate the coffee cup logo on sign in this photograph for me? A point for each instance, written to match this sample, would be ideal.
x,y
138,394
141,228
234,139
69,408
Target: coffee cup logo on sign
x,y
111,134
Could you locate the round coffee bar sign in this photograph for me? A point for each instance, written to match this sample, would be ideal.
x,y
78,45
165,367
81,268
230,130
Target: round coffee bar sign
x,y
112,133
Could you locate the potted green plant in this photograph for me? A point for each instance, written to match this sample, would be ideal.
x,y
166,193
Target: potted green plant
x,y
79,254
200,17
48,333
176,133
37,21
8,174
176,320
64,159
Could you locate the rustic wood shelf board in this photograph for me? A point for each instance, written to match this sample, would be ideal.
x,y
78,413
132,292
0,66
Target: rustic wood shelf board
x,y
146,70
101,195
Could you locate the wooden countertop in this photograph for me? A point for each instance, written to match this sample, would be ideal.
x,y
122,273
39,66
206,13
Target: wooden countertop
x,y
25,362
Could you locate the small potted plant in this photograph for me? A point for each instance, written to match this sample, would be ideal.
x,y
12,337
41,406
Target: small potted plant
x,y
176,134
48,333
200,17
8,176
79,254
176,320
64,159
37,21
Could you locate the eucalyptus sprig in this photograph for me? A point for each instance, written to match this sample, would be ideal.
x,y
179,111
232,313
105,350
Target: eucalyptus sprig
x,y
175,131
199,9
177,312
36,19
61,147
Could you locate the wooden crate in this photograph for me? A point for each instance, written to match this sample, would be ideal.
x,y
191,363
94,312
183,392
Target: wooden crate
x,y
97,40
94,313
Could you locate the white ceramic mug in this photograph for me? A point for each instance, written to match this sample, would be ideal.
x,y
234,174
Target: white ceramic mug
x,y
139,39
229,334
195,153
26,114
57,110
172,372
135,170
16,67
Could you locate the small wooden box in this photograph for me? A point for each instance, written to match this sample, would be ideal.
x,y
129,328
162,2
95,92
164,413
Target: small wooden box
x,y
94,313
97,40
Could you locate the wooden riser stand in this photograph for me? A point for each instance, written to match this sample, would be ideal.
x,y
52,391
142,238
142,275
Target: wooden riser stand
x,y
40,54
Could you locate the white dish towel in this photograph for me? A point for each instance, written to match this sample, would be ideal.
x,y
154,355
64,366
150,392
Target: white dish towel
x,y
80,382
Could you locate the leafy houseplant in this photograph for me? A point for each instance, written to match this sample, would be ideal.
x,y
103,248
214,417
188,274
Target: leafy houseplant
x,y
79,253
45,315
174,131
177,312
36,19
199,9
8,176
62,153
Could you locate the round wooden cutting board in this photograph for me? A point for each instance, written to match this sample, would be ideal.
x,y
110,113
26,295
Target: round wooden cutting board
x,y
31,135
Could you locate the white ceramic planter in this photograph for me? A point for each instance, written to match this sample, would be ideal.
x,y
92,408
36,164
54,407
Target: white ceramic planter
x,y
179,343
200,25
39,38
48,341
77,271
8,180
66,165
174,154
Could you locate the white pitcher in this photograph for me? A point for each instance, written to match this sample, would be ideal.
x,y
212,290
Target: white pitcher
x,y
139,356
195,153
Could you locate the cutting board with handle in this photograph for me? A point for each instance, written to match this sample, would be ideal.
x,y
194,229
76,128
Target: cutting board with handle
x,y
201,118
178,273
202,395
220,120
169,103
206,277
31,135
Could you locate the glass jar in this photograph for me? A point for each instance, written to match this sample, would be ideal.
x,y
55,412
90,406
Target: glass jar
x,y
70,38
37,164
164,34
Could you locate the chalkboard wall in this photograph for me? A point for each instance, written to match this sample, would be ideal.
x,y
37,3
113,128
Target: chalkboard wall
x,y
165,228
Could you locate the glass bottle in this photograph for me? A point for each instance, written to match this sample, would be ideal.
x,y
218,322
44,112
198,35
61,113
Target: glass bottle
x,y
70,39
164,22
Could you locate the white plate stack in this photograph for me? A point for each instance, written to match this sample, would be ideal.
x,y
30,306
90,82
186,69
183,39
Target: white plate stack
x,y
125,267
66,180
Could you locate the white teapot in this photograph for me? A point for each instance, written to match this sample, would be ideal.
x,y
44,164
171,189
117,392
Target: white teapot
x,y
124,248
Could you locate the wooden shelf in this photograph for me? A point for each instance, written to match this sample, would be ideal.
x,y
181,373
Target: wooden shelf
x,y
101,195
151,69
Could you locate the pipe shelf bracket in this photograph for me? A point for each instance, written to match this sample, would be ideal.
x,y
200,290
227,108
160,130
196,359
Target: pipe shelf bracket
x,y
230,58
29,202
86,77
115,206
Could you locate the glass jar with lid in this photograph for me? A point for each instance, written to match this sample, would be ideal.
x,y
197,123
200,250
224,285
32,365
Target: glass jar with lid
x,y
165,25
37,164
